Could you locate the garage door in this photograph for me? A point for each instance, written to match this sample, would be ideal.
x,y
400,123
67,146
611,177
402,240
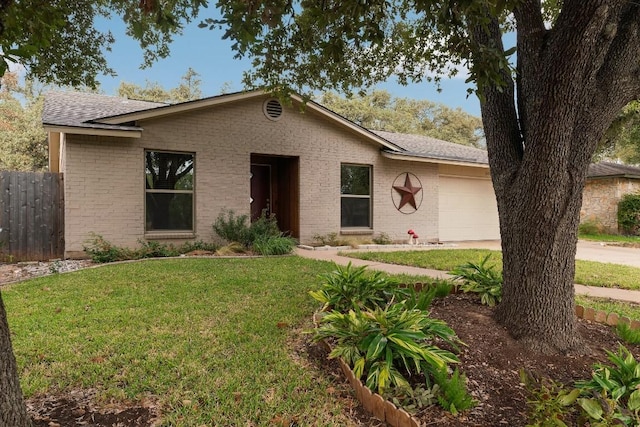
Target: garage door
x,y
468,209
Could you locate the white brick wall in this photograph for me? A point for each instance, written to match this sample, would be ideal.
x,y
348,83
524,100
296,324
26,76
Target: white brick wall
x,y
104,176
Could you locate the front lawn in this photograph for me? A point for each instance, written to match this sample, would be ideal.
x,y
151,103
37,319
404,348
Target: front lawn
x,y
213,340
587,272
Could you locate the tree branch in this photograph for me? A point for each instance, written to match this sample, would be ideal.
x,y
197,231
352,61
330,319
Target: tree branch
x,y
499,116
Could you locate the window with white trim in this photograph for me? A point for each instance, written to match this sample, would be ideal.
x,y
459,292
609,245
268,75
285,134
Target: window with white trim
x,y
355,195
169,195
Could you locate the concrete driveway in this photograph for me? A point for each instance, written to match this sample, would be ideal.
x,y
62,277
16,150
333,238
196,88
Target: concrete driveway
x,y
590,251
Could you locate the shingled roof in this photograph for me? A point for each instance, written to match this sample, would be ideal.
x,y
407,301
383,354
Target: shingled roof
x,y
432,148
87,111
613,170
80,109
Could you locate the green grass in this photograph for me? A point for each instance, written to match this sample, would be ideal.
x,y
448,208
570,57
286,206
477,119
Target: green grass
x,y
202,336
611,238
587,272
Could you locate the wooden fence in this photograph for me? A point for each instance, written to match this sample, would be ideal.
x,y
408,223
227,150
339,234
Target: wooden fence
x,y
31,216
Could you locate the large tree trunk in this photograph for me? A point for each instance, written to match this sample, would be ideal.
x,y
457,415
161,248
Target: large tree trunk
x,y
571,82
13,412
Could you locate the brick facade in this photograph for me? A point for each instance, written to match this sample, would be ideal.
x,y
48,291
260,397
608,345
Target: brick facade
x,y
104,176
600,200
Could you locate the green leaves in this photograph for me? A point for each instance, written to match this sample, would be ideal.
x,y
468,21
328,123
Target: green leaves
x,y
480,278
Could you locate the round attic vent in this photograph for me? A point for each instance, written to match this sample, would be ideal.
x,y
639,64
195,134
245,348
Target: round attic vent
x,y
272,109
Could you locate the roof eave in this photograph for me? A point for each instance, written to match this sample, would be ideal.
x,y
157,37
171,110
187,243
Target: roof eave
x,y
73,130
359,130
178,108
628,176
427,159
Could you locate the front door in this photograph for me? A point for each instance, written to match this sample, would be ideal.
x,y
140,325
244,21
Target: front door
x,y
260,190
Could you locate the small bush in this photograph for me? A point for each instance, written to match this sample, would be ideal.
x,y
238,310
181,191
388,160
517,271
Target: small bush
x,y
382,239
591,227
350,287
261,236
549,402
482,279
232,228
629,215
274,245
101,251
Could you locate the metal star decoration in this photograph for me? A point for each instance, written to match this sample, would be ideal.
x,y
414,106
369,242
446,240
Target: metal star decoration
x,y
407,193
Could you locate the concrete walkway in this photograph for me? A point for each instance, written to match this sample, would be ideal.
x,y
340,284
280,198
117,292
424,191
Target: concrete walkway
x,y
588,250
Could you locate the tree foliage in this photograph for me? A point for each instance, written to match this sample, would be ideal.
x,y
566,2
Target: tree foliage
x,y
23,142
187,90
378,110
622,140
58,42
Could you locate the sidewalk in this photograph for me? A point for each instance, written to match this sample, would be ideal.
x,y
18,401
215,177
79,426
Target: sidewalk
x,y
331,255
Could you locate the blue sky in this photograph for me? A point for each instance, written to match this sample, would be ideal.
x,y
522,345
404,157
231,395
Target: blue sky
x,y
213,58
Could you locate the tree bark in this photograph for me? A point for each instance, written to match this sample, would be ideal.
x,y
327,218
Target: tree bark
x,y
572,81
13,412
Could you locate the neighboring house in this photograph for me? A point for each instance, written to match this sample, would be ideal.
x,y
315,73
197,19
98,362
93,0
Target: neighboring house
x,y
606,184
136,171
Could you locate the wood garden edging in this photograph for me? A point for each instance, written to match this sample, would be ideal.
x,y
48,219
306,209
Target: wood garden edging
x,y
386,411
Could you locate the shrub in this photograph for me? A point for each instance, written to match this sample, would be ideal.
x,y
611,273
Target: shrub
x,y
350,287
382,239
590,227
100,250
629,214
482,279
274,245
232,228
262,236
379,343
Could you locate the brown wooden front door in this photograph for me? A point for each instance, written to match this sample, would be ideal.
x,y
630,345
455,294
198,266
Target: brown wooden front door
x,y
260,190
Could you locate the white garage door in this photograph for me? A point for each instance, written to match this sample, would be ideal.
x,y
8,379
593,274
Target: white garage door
x,y
468,209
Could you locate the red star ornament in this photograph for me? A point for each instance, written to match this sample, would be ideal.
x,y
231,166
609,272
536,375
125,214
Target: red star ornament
x,y
407,192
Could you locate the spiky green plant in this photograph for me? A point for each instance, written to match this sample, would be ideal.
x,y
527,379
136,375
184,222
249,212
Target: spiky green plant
x,y
480,278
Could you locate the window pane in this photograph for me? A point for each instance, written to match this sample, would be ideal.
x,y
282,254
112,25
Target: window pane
x,y
355,212
166,211
168,171
354,180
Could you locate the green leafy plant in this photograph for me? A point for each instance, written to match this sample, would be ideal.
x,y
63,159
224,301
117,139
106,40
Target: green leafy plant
x,y
352,287
382,239
443,287
629,214
378,343
155,249
414,399
550,403
480,278
628,335
261,236
613,393
100,250
453,395
232,227
590,227
274,245
330,239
